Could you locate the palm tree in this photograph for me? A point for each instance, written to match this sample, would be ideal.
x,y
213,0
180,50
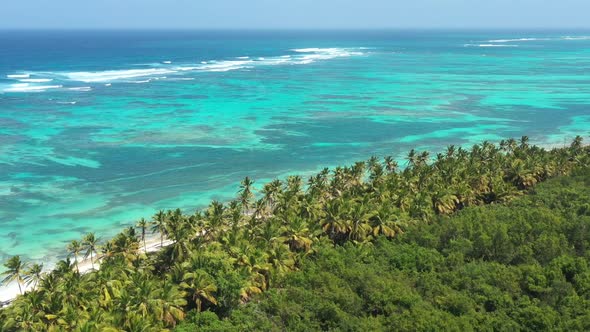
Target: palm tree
x,y
245,193
74,248
358,223
143,224
281,258
331,221
297,235
200,287
90,243
270,193
171,301
412,158
524,142
159,225
34,275
390,164
15,271
444,202
381,222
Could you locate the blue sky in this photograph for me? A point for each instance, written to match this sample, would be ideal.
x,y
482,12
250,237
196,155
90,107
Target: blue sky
x,y
287,14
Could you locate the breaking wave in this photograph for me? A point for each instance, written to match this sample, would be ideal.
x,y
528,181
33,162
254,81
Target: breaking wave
x,y
529,39
171,71
489,45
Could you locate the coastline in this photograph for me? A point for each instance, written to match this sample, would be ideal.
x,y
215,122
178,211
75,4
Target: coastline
x,y
11,291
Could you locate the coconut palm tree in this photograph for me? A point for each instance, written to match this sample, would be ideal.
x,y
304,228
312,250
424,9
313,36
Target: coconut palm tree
x,y
15,271
280,258
159,225
382,224
143,225
200,287
296,234
331,220
90,243
171,302
75,248
33,275
245,193
358,221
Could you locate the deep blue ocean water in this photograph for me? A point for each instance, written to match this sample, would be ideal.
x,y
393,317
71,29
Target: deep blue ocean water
x,y
98,129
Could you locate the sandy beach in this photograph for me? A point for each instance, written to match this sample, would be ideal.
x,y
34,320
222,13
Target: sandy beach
x,y
11,291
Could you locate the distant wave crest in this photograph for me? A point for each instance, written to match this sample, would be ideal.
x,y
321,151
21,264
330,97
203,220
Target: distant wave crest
x,y
490,45
18,76
172,71
26,87
529,39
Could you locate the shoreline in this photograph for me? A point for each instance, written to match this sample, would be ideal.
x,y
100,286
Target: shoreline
x,y
11,291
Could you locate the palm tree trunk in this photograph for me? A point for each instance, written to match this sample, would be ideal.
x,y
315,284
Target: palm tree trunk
x,y
161,239
91,260
144,246
19,287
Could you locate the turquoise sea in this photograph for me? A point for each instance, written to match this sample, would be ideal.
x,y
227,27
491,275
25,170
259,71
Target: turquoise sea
x,y
98,129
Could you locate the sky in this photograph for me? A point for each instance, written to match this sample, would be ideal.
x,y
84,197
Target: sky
x,y
293,14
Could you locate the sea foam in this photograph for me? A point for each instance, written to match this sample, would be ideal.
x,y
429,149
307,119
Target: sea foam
x,y
36,80
26,87
18,76
111,75
166,69
222,66
489,45
528,39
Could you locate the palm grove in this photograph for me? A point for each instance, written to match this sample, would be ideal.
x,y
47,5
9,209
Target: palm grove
x,y
224,257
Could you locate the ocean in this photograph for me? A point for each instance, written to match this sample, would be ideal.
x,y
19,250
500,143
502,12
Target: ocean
x,y
101,128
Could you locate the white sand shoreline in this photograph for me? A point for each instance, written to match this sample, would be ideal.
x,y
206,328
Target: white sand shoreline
x,y
9,292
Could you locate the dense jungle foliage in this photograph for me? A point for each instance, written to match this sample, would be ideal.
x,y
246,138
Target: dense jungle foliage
x,y
446,243
523,266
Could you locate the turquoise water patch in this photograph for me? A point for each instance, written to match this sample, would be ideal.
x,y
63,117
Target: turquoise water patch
x,y
112,126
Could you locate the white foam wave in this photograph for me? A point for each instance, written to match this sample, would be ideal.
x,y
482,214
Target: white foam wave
x,y
489,45
67,102
36,80
18,76
576,38
223,66
81,88
26,87
314,54
514,40
539,39
166,70
312,50
112,75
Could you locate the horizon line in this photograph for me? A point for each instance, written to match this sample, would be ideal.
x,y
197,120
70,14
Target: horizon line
x,y
287,29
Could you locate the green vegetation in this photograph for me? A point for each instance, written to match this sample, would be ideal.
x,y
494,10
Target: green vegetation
x,y
367,247
521,266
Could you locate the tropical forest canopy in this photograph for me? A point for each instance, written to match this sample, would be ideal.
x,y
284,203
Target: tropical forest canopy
x,y
464,240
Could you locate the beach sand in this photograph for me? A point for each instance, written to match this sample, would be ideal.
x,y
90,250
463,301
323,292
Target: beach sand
x,y
9,292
